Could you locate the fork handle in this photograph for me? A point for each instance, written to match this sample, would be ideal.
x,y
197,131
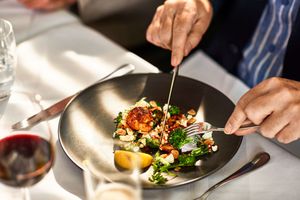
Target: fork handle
x,y
243,127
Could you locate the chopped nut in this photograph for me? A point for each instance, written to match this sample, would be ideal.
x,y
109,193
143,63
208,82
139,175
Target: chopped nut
x,y
120,131
191,121
209,142
153,103
175,153
192,112
164,155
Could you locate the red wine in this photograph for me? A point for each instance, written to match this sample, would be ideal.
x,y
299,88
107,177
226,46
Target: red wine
x,y
24,159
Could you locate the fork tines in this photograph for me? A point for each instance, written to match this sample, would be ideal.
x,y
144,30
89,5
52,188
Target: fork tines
x,y
193,129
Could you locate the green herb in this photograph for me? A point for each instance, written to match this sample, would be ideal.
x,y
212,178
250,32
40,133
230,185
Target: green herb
x,y
178,138
152,143
118,119
158,178
186,160
160,166
200,151
174,110
157,116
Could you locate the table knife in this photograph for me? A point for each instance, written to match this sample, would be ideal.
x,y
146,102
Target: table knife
x,y
59,106
175,73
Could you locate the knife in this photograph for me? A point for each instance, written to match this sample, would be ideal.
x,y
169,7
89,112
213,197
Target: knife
x,y
162,137
59,106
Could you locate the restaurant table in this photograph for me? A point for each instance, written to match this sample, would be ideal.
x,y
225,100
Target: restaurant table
x,y
62,59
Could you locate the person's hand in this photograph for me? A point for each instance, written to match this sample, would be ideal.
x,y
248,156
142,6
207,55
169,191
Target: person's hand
x,y
274,104
46,4
178,25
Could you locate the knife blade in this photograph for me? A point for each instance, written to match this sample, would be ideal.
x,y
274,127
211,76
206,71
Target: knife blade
x,y
175,73
55,109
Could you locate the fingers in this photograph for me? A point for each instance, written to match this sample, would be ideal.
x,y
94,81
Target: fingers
x,y
165,31
242,109
198,30
274,105
152,34
289,133
179,25
183,23
194,37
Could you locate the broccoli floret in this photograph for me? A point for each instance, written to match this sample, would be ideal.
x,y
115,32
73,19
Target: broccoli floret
x,y
186,160
152,143
178,138
174,110
200,151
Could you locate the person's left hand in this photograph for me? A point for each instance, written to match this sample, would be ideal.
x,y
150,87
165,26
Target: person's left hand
x,y
46,4
274,104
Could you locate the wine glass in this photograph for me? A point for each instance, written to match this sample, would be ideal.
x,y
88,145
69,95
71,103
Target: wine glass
x,y
8,58
25,155
112,181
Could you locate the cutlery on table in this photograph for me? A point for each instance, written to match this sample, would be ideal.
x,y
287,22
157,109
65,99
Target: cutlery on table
x,y
258,161
59,106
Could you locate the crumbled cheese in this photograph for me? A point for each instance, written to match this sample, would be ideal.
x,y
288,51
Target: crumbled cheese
x,y
214,148
170,158
143,141
127,138
207,135
142,103
183,122
189,117
198,163
135,149
129,131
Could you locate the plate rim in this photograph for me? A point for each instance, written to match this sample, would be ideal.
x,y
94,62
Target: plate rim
x,y
153,187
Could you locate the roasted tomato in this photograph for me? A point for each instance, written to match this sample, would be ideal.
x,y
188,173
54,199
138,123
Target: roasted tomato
x,y
140,119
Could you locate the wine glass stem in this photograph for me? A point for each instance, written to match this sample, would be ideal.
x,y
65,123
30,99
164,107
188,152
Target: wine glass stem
x,y
25,194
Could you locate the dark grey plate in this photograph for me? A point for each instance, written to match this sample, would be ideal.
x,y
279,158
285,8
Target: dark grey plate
x,y
88,119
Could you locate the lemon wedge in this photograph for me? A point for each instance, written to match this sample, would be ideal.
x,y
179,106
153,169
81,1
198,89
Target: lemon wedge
x,y
128,159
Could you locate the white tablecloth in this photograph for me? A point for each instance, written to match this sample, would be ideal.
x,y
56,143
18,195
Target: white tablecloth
x,y
64,59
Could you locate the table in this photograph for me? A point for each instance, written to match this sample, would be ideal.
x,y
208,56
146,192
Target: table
x,y
55,63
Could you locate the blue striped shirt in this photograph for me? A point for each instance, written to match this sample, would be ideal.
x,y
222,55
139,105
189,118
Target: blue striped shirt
x,y
264,56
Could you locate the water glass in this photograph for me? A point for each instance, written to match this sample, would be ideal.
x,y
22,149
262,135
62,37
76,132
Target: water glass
x,y
113,183
8,58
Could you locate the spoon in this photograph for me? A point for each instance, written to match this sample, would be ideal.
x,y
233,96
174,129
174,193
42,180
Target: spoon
x,y
258,161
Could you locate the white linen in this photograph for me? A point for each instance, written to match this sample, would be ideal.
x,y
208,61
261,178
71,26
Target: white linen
x,y
28,23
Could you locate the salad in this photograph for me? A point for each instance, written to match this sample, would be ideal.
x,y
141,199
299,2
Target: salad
x,y
140,129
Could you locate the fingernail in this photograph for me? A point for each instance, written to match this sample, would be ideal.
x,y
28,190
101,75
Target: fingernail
x,y
174,62
228,129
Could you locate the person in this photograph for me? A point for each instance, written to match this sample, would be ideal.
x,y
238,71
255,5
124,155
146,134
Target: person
x,y
111,18
47,5
255,40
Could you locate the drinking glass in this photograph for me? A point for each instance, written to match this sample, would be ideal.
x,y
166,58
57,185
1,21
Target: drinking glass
x,y
25,155
8,58
110,181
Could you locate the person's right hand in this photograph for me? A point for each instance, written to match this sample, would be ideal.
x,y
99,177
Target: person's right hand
x,y
178,25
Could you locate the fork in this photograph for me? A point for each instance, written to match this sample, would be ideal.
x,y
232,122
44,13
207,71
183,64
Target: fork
x,y
197,128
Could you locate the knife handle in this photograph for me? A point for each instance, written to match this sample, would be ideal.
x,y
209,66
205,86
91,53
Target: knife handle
x,y
47,113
